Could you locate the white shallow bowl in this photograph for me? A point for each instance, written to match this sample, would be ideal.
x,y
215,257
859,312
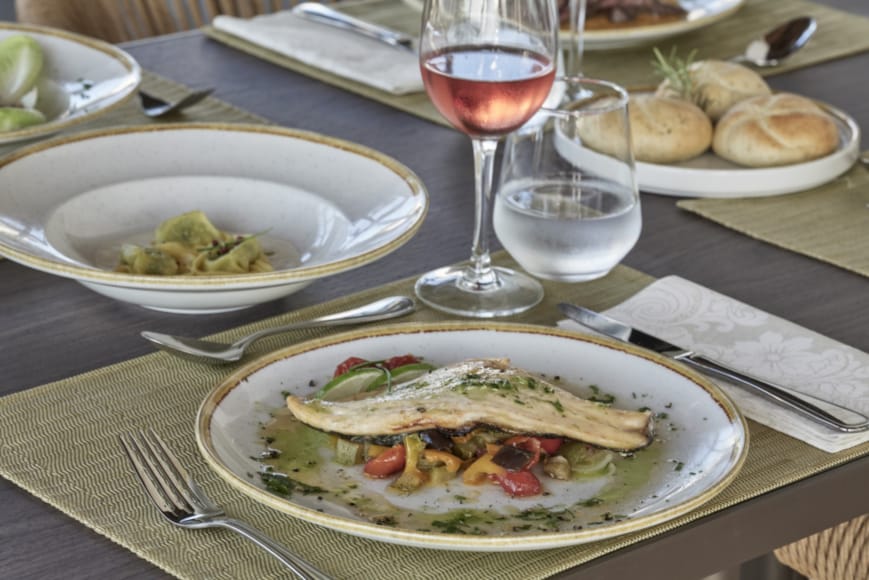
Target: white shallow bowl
x,y
700,445
81,78
713,177
67,205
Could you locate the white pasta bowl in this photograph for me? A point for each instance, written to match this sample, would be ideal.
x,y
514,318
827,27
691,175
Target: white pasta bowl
x,y
326,206
81,79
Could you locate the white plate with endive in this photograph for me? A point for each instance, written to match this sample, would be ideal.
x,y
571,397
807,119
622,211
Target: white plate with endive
x,y
319,205
700,441
81,79
710,176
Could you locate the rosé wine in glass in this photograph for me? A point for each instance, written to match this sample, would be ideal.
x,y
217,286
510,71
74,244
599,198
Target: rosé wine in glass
x,y
488,66
487,90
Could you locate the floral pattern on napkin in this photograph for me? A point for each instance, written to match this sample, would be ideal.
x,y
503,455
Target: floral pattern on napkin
x,y
760,344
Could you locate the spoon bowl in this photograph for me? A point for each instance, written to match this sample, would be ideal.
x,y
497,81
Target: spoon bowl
x,y
220,352
779,43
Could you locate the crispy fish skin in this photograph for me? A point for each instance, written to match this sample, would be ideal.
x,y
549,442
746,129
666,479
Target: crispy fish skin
x,y
479,392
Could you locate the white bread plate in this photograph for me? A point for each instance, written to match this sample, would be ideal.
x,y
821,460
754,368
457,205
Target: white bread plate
x,y
709,176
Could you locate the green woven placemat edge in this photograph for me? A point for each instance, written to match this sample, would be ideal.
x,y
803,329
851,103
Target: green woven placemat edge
x,y
827,223
78,469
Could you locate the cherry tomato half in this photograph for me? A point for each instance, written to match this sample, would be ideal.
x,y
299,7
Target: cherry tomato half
x,y
401,360
519,483
550,445
389,462
347,365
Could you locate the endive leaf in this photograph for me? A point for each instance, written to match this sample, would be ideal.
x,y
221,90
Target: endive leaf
x,y
20,65
12,118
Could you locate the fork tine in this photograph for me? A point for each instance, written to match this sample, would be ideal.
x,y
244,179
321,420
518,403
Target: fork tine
x,y
179,476
154,489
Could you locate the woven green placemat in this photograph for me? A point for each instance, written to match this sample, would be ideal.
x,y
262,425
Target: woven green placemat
x,y
839,34
829,223
59,442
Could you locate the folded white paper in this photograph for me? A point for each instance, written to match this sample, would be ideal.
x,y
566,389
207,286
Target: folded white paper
x,y
757,343
340,52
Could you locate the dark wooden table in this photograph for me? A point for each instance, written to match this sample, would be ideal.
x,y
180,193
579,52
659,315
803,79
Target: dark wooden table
x,y
52,328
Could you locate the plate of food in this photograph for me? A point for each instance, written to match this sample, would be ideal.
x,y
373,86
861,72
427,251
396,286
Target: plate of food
x,y
715,129
200,218
472,436
52,79
613,24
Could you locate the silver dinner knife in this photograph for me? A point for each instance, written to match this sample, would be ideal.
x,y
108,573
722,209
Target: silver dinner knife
x,y
325,15
824,412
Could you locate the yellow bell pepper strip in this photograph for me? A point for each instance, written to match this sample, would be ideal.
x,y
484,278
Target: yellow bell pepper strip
x,y
479,471
441,466
412,478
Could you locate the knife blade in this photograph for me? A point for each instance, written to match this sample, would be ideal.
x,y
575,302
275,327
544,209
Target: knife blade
x,y
823,412
325,15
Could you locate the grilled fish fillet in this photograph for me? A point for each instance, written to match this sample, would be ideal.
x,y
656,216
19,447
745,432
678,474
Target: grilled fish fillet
x,y
479,392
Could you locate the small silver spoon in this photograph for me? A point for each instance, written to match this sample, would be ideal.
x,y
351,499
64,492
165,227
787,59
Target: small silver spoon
x,y
155,107
864,158
382,309
779,43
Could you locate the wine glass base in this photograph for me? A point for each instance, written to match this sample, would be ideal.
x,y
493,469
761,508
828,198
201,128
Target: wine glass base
x,y
447,289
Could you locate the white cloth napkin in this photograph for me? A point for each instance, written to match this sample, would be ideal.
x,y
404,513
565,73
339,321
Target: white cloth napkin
x,y
343,53
760,344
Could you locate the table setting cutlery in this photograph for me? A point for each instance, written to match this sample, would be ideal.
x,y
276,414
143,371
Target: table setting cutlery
x,y
210,351
832,415
327,40
183,503
778,373
323,14
779,43
155,107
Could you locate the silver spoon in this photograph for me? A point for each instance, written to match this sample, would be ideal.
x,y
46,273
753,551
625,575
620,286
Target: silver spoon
x,y
382,309
864,158
779,43
154,106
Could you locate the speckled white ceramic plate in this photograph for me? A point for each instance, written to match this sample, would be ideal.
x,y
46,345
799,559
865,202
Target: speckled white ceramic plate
x,y
326,206
701,13
700,445
714,177
82,78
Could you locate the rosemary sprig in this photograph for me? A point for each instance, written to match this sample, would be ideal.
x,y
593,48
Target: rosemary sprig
x,y
675,70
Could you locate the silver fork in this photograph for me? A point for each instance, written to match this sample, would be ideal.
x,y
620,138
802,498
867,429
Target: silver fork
x,y
155,107
181,501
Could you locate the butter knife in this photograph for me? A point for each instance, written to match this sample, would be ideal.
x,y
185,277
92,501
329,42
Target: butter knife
x,y
823,412
325,15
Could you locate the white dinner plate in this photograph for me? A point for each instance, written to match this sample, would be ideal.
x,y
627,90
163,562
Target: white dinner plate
x,y
700,13
700,443
713,177
324,206
81,78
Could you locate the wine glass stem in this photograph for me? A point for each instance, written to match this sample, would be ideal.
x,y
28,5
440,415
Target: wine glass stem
x,y
480,276
576,45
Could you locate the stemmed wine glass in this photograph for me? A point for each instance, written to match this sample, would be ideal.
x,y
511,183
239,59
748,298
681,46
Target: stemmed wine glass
x,y
488,66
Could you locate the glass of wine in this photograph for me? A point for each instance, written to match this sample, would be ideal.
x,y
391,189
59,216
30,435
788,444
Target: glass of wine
x,y
488,66
568,207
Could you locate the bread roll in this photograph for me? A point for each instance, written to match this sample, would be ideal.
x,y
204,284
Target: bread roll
x,y
775,130
717,85
666,130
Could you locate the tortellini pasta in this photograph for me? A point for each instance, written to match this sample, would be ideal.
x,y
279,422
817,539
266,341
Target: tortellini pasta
x,y
190,244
